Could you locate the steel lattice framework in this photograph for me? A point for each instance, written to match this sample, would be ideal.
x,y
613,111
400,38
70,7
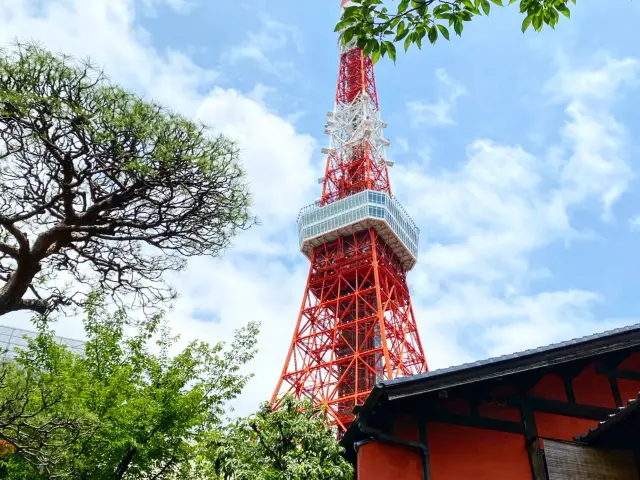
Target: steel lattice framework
x,y
356,324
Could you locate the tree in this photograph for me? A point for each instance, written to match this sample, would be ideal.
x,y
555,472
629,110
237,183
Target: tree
x,y
293,442
376,30
120,411
101,188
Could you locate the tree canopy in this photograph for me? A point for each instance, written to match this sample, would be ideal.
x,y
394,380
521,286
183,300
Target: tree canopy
x,y
102,189
130,409
376,29
292,442
127,408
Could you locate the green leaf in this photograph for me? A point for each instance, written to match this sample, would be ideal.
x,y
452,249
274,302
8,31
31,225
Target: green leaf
x,y
442,8
554,17
419,35
375,56
371,46
537,22
525,23
348,35
499,2
341,25
350,12
443,31
512,1
408,41
486,6
402,6
563,10
433,34
465,15
402,35
457,26
400,29
391,49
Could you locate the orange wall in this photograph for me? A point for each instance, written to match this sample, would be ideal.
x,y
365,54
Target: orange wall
x,y
590,388
560,427
629,389
378,461
632,362
550,387
460,453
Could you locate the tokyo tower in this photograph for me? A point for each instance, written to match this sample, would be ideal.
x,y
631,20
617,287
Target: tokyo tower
x,y
356,324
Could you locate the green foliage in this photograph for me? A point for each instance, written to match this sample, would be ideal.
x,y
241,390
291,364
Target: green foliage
x,y
128,409
372,27
292,442
103,187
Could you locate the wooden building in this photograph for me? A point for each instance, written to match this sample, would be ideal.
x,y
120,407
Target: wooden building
x,y
566,411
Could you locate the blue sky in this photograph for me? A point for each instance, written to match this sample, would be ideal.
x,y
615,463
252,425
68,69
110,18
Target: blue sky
x,y
516,155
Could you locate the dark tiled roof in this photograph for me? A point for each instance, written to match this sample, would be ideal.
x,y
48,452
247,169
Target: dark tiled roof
x,y
614,427
515,362
523,354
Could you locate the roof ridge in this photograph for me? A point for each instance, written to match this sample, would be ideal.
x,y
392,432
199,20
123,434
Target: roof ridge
x,y
523,353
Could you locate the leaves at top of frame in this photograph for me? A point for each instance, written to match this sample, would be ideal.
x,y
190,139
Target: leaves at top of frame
x,y
415,19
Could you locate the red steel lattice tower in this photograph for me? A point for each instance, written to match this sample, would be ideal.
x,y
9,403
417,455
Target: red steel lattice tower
x,y
356,324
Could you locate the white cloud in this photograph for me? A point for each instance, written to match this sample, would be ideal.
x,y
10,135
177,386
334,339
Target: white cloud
x,y
501,205
250,282
441,111
600,80
276,157
106,32
180,6
262,46
634,223
403,144
597,166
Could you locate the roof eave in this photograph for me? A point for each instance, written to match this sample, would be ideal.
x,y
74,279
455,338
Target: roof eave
x,y
594,434
426,383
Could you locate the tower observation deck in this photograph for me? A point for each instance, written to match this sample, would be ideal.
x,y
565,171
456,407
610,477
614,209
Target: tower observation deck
x,y
356,325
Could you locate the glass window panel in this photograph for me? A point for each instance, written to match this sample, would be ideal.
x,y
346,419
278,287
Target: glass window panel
x,y
355,208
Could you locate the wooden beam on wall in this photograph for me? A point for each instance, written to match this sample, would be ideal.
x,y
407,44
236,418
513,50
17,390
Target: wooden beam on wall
x,y
568,388
562,408
618,373
615,391
475,422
